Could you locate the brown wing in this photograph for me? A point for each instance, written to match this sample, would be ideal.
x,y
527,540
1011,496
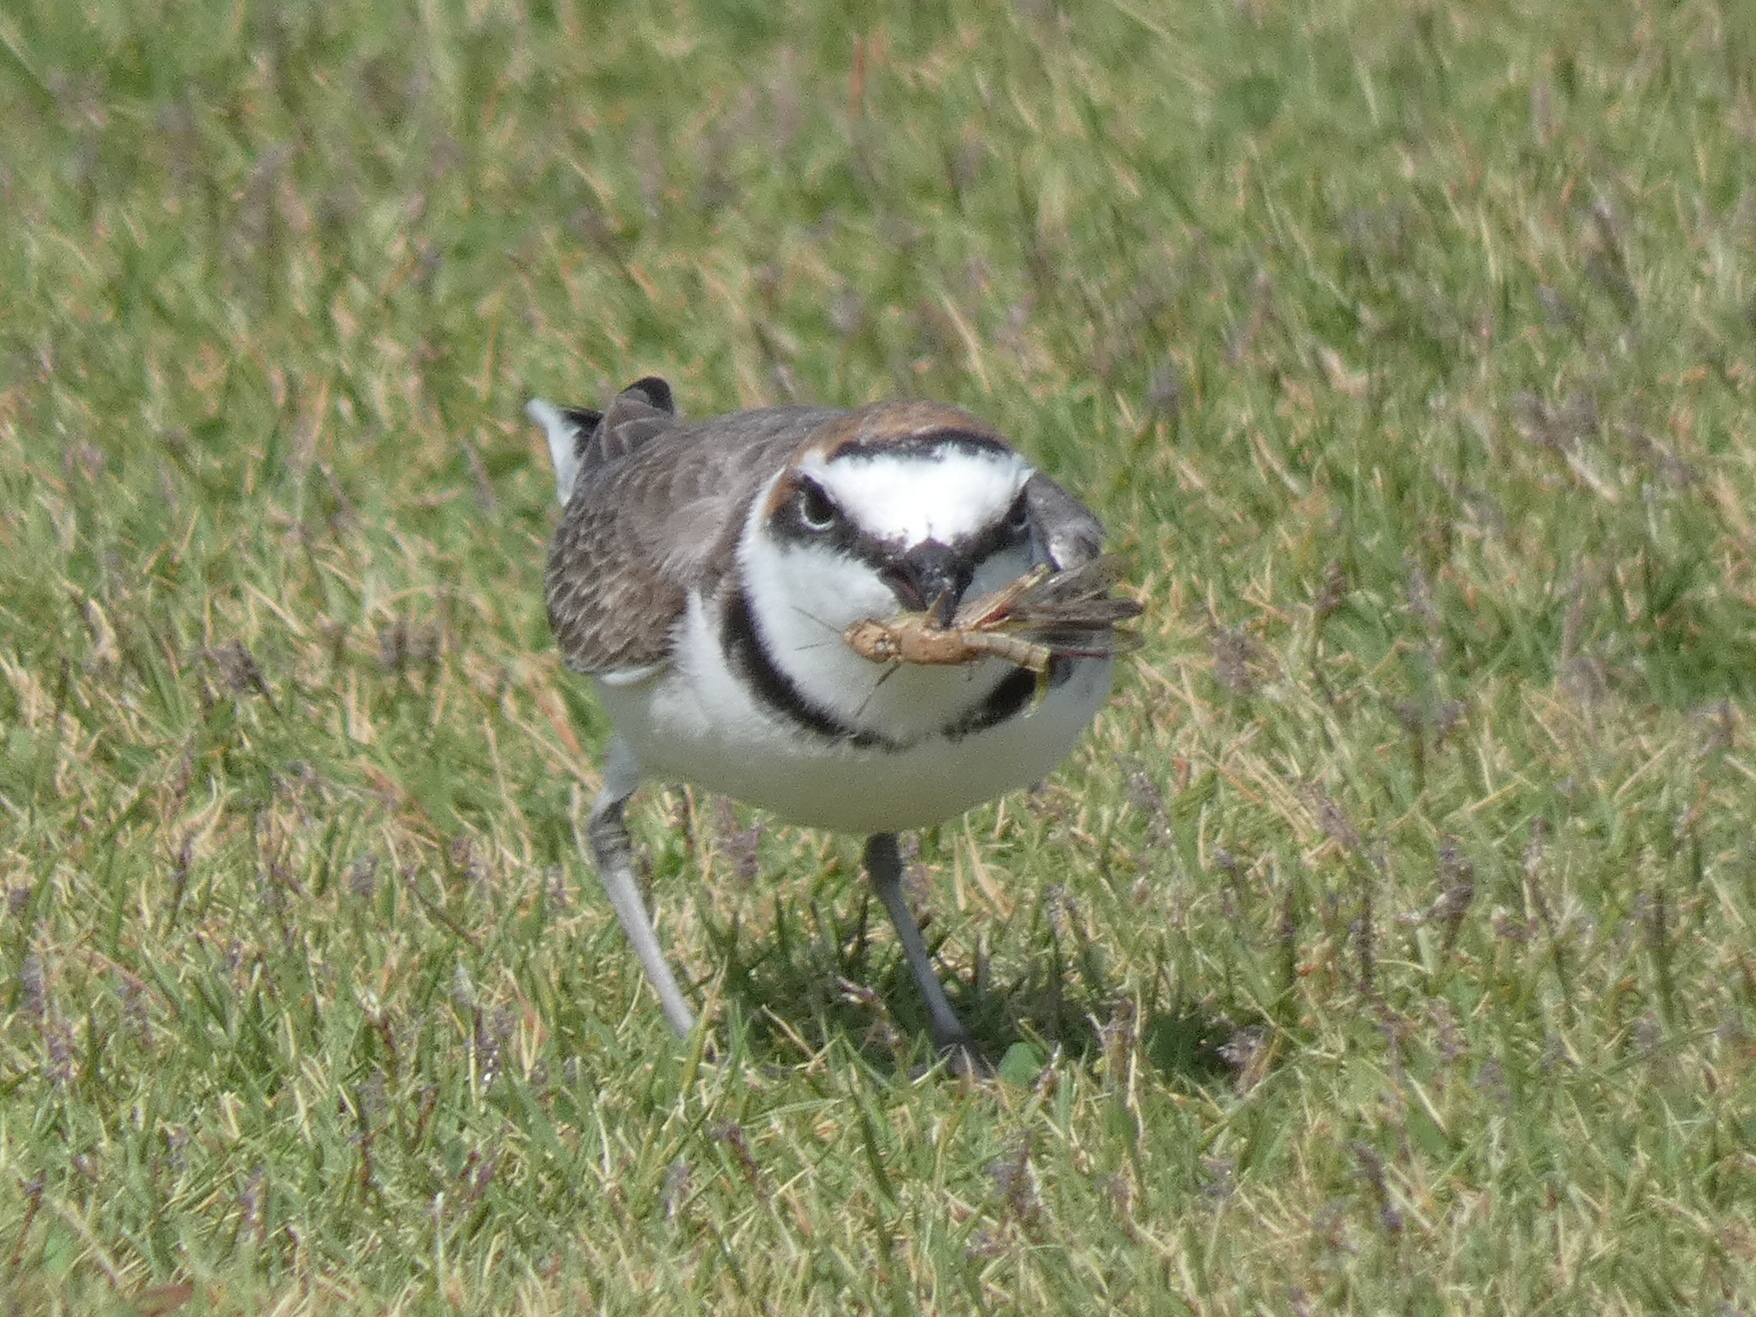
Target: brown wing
x,y
641,412
655,513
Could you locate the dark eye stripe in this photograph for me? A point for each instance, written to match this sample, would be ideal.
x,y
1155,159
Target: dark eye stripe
x,y
789,524
1004,534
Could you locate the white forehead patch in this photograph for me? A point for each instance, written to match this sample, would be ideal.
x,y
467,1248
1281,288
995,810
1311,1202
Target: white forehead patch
x,y
913,496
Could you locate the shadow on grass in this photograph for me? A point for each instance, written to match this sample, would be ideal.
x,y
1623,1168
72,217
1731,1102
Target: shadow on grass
x,y
797,993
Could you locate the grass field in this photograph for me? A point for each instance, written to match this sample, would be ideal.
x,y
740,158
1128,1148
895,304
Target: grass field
x,y
1389,945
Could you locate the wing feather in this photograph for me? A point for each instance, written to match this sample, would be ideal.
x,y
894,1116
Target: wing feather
x,y
654,513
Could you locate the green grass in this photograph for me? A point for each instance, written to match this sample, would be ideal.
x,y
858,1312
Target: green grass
x,y
1387,948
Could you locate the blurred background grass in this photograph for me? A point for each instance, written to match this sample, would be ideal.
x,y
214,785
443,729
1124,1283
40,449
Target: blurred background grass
x,y
1388,947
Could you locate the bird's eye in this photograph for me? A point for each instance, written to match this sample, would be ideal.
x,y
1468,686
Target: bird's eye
x,y
816,509
1018,520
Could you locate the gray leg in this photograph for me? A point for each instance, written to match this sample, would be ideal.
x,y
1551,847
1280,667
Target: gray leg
x,y
884,868
607,835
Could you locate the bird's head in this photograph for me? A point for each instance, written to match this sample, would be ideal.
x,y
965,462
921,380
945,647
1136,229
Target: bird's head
x,y
897,507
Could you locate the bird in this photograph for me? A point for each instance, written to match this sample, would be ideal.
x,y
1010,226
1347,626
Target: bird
x,y
703,574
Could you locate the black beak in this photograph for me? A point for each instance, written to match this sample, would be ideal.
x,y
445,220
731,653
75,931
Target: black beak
x,y
930,578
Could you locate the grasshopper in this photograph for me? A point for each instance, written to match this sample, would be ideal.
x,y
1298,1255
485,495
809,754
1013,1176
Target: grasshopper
x,y
1029,622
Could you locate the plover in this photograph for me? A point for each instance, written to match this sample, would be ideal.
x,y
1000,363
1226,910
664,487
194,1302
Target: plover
x,y
704,573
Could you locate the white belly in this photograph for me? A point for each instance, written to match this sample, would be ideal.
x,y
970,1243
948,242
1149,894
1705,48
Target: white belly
x,y
696,722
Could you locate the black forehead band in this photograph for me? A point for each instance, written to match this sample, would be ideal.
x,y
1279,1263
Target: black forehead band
x,y
926,444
